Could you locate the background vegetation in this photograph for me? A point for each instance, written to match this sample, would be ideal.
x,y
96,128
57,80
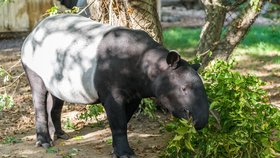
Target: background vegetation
x,y
243,123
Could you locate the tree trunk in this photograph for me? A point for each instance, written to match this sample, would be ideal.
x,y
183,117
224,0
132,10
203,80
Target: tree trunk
x,y
136,14
212,29
211,39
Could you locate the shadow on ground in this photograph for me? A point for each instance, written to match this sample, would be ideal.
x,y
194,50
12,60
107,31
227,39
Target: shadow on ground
x,y
266,67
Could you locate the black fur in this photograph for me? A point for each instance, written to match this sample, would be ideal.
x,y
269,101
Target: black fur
x,y
69,3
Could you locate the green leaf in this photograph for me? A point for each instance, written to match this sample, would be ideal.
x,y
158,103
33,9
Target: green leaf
x,y
177,137
78,138
276,146
52,150
189,145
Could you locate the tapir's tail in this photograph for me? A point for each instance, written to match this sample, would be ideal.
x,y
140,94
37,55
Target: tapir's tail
x,y
51,127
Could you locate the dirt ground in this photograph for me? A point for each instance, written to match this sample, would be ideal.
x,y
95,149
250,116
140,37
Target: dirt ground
x,y
265,68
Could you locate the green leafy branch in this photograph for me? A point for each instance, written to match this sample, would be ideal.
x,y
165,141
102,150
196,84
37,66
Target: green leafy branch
x,y
244,124
55,10
6,100
2,2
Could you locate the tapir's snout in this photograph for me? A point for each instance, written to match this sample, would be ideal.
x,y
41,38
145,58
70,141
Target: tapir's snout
x,y
199,115
201,122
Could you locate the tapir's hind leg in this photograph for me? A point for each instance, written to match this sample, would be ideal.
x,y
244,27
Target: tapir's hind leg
x,y
39,96
54,106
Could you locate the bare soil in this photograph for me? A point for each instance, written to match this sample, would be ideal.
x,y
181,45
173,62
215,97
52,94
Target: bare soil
x,y
267,68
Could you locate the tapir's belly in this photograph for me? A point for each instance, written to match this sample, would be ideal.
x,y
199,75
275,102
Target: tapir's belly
x,y
66,61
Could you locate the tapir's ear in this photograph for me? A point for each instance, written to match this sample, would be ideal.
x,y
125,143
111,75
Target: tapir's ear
x,y
173,59
195,66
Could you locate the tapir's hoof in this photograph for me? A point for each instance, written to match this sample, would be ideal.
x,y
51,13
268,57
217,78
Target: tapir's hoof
x,y
62,136
44,145
131,155
124,156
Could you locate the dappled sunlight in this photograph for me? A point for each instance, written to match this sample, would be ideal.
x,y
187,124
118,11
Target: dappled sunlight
x,y
29,138
22,149
262,38
143,135
70,114
94,137
271,86
265,66
23,153
29,152
274,68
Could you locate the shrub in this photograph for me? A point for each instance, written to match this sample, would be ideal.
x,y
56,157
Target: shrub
x,y
10,140
55,10
148,108
6,101
243,122
92,112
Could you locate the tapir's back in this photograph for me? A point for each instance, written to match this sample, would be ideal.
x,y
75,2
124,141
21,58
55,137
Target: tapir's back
x,y
62,50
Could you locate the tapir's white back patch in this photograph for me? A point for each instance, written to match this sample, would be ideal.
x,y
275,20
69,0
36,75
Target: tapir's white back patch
x,y
62,50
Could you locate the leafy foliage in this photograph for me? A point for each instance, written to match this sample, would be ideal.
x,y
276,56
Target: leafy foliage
x,y
93,111
52,150
69,124
180,145
5,75
148,108
5,2
54,10
6,101
242,124
255,4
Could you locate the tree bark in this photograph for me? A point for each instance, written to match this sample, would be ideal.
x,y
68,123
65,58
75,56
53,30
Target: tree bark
x,y
212,29
211,38
136,14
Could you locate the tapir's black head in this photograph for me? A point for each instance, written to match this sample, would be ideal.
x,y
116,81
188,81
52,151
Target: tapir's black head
x,y
180,90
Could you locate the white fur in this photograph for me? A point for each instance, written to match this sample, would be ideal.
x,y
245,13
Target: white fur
x,y
65,60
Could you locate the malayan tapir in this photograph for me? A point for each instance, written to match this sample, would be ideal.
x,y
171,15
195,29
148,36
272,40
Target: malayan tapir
x,y
74,59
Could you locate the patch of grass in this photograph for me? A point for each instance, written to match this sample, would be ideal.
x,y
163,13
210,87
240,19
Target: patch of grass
x,y
93,111
148,108
78,138
260,40
10,140
109,141
52,150
69,124
183,40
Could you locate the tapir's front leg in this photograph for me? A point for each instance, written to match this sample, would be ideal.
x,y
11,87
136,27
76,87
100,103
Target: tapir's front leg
x,y
116,114
131,108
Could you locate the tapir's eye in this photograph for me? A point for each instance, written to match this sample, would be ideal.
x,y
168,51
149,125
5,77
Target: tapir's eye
x,y
185,88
